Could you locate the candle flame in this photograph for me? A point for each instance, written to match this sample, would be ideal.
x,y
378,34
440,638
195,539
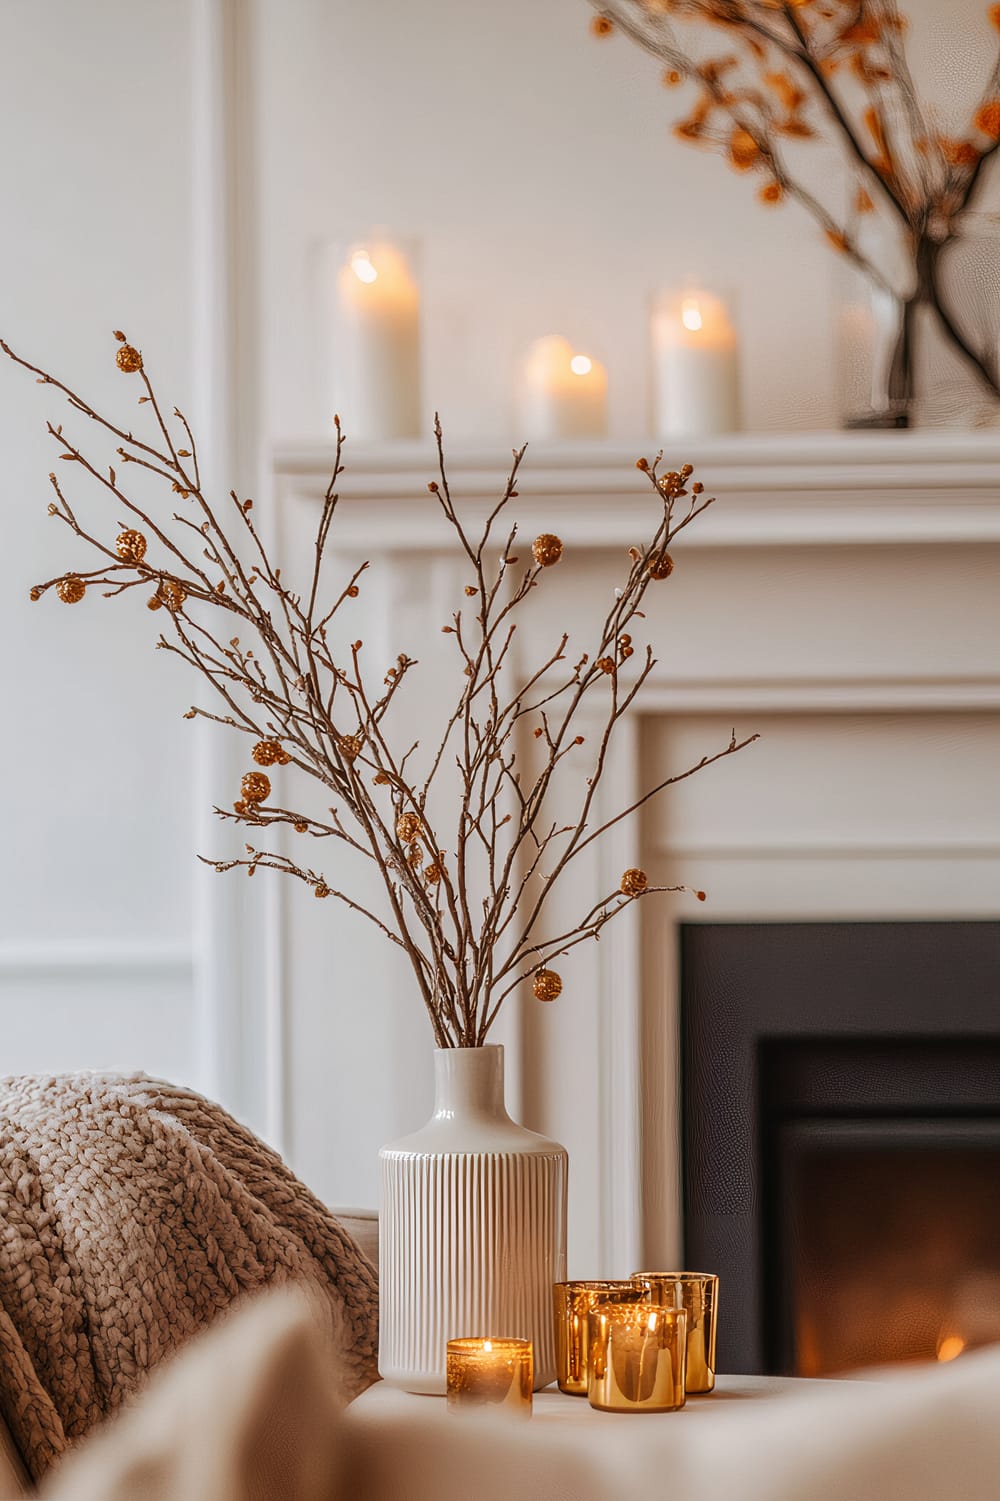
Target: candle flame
x,y
651,1321
488,1346
362,267
581,365
691,314
950,1347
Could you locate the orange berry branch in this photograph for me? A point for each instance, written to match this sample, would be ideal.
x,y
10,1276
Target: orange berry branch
x,y
799,71
461,836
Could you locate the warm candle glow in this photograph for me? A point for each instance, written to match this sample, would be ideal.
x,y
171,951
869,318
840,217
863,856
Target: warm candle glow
x,y
695,365
362,267
636,1357
572,1302
951,1347
697,1293
561,394
691,314
492,1373
375,341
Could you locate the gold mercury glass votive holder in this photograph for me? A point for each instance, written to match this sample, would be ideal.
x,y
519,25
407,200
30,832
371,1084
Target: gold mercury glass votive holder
x,y
636,1357
572,1302
698,1294
490,1373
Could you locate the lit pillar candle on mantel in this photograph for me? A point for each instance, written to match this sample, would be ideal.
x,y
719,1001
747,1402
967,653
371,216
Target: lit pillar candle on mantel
x,y
377,343
563,393
695,366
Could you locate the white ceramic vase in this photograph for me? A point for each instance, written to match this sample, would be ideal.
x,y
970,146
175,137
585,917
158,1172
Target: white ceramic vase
x,y
472,1230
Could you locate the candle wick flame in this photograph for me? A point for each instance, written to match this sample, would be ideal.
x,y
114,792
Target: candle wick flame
x,y
362,267
488,1345
691,314
581,365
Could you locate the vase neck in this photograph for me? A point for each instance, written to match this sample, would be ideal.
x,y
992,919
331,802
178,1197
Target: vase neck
x,y
469,1082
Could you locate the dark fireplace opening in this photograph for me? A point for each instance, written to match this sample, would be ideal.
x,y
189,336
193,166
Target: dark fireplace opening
x,y
841,1108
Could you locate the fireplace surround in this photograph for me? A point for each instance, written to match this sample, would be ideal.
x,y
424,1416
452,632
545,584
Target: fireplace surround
x,y
841,1107
841,600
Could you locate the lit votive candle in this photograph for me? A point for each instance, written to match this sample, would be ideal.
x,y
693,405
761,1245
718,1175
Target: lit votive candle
x,y
489,1372
636,1358
377,343
695,366
563,393
698,1294
572,1302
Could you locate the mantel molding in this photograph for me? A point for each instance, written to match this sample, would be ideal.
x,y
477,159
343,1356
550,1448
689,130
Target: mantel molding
x,y
839,489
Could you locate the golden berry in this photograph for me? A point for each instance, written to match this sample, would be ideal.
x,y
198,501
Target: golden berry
x,y
634,882
547,549
408,827
171,594
321,889
128,359
350,746
661,567
266,752
36,593
300,827
71,589
415,857
255,787
547,985
606,664
601,26
131,546
240,808
432,874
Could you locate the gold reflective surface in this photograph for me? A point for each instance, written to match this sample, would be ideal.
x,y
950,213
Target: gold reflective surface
x,y
572,1302
636,1357
698,1294
488,1372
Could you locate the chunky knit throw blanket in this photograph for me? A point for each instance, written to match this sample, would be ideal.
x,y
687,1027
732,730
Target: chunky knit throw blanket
x,y
131,1214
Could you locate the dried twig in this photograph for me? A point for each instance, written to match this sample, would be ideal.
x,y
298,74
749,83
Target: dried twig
x,y
466,857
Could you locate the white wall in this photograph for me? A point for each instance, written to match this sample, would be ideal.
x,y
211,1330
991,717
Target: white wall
x,y
96,960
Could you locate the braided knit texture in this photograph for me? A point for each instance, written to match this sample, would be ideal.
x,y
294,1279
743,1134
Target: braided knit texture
x,y
132,1213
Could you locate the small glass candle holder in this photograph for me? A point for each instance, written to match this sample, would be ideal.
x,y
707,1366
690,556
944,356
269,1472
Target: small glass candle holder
x,y
698,1294
492,1373
636,1357
572,1302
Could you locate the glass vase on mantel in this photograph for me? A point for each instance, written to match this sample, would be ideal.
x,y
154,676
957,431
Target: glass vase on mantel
x,y
472,1227
928,356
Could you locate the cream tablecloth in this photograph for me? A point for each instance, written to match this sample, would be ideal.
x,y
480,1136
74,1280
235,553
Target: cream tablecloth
x,y
925,1435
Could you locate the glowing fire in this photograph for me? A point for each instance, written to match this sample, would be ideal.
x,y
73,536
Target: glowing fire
x,y
950,1346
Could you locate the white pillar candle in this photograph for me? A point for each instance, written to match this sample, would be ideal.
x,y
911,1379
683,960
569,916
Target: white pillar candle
x,y
562,394
377,344
695,366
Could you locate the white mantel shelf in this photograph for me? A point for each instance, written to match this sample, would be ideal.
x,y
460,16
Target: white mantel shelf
x,y
773,489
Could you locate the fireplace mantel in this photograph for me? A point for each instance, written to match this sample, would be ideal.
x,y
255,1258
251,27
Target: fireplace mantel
x,y
790,489
843,598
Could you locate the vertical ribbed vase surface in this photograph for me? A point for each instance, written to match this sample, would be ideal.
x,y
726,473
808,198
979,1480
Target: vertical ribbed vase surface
x,y
472,1230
